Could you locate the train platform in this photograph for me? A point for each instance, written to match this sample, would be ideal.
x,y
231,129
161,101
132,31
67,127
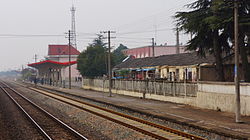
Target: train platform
x,y
222,123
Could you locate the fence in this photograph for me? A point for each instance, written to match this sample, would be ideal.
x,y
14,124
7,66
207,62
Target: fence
x,y
147,87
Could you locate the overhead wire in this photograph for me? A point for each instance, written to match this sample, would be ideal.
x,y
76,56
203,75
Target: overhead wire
x,y
152,26
133,41
28,35
6,36
158,15
138,32
132,38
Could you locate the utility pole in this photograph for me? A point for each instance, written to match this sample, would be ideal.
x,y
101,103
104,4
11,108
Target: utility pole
x,y
35,57
109,61
155,40
177,41
109,65
153,46
236,69
69,37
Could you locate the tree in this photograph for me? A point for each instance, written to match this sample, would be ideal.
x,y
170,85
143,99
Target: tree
x,y
27,73
92,62
118,54
225,20
206,39
211,22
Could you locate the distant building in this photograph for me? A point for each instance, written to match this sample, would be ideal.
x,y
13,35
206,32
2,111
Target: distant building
x,y
147,51
55,68
175,67
60,53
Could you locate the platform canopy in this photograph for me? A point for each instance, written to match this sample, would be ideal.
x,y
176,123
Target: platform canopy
x,y
51,64
51,71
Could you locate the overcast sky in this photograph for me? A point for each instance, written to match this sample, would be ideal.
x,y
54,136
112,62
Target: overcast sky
x,y
135,23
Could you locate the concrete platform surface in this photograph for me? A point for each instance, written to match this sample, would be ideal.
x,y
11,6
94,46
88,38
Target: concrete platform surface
x,y
219,122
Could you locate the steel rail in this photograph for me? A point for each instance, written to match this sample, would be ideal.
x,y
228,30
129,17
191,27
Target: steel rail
x,y
80,136
39,128
111,119
177,132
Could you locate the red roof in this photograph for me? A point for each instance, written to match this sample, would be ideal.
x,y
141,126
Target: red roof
x,y
52,62
62,50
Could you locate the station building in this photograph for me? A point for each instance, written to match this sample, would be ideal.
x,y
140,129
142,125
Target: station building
x,y
54,70
175,67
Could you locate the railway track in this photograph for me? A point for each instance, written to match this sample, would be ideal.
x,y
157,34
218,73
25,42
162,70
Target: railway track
x,y
48,125
148,128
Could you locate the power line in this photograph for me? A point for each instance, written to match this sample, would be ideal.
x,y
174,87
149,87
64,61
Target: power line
x,y
38,35
138,32
80,39
29,35
10,36
133,38
131,41
85,33
161,15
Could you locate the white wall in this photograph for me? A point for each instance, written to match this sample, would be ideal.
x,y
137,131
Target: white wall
x,y
223,87
210,95
65,71
221,96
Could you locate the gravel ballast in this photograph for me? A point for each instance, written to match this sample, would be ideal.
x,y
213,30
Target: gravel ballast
x,y
13,123
91,126
151,118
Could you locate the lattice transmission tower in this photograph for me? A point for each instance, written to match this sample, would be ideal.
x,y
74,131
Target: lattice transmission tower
x,y
73,26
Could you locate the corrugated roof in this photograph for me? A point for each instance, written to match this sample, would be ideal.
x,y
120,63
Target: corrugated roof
x,y
184,59
62,50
